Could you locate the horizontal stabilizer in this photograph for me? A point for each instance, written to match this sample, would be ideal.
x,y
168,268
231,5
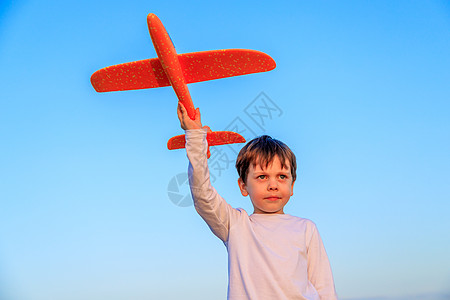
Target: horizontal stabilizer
x,y
214,138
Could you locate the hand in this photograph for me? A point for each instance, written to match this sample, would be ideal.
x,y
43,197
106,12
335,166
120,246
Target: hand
x,y
185,121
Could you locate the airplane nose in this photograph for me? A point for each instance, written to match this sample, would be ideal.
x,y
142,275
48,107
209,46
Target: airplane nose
x,y
152,18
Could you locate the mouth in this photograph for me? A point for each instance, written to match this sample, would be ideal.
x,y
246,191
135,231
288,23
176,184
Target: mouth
x,y
272,198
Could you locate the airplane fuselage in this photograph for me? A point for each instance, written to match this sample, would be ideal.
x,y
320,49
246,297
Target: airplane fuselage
x,y
169,61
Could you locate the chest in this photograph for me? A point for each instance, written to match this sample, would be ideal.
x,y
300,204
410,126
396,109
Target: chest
x,y
282,240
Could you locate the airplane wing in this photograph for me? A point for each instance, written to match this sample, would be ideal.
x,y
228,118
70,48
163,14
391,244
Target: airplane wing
x,y
214,138
215,64
197,66
141,74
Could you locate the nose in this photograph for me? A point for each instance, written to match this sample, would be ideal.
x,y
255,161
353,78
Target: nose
x,y
272,185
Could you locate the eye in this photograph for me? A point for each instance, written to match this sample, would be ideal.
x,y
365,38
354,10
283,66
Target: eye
x,y
261,177
283,177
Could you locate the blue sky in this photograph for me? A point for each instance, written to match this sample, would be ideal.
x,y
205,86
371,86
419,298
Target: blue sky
x,y
361,94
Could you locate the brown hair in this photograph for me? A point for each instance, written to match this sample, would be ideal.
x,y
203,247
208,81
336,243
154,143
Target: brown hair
x,y
262,150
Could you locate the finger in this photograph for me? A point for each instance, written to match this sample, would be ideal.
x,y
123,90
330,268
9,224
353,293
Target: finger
x,y
197,114
183,110
179,111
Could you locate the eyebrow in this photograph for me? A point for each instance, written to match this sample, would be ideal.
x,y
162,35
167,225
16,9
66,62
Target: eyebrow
x,y
283,171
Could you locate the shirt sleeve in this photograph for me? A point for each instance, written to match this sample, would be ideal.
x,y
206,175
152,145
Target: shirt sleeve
x,y
319,270
209,204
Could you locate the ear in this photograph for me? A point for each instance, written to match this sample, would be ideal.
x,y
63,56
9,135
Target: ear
x,y
242,187
292,188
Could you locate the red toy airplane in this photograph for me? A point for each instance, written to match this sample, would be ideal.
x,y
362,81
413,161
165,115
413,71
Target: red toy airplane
x,y
179,70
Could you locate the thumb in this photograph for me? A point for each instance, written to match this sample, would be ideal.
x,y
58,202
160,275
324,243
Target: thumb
x,y
207,128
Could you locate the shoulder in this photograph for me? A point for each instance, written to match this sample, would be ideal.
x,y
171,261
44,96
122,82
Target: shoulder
x,y
241,214
302,225
238,215
302,221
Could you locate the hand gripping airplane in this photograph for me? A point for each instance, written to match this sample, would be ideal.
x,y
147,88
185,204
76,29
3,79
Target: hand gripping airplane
x,y
175,70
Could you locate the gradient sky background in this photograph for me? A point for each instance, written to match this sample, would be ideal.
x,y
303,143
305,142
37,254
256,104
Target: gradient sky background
x,y
363,97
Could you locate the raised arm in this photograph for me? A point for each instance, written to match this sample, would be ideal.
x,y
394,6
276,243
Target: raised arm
x,y
209,204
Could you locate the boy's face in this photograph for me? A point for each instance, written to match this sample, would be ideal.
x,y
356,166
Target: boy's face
x,y
269,188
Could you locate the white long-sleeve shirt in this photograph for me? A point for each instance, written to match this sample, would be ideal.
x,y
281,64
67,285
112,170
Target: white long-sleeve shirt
x,y
274,256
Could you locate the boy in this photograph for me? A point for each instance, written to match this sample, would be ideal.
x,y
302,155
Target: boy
x,y
271,255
